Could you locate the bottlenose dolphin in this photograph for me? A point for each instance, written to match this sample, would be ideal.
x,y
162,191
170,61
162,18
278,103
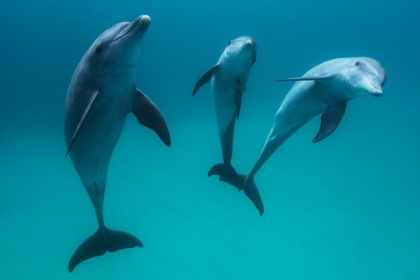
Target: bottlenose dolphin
x,y
101,94
325,89
228,83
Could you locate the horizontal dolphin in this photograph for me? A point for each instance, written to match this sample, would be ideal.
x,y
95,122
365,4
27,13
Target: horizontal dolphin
x,y
325,89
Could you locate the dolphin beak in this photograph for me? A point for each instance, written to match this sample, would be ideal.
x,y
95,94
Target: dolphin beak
x,y
251,46
248,44
143,23
376,89
378,92
139,25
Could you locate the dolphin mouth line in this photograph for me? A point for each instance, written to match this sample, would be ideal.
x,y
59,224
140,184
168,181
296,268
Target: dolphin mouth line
x,y
370,81
131,28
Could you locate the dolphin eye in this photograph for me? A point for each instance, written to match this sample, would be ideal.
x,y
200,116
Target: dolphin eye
x,y
357,63
98,50
230,42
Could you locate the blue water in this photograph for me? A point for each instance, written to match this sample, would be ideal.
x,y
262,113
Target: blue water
x,y
345,208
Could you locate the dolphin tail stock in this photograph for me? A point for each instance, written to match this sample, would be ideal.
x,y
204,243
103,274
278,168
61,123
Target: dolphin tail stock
x,y
100,242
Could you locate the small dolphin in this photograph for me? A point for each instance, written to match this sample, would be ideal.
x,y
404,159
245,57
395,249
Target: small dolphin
x,y
101,94
325,89
228,83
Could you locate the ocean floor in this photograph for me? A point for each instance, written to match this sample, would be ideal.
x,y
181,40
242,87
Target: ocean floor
x,y
340,209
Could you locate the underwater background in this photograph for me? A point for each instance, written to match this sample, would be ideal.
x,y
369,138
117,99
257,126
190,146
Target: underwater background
x,y
345,208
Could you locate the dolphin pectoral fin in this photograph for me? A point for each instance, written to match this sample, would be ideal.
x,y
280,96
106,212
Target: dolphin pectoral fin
x,y
149,115
205,78
330,120
82,120
238,97
100,242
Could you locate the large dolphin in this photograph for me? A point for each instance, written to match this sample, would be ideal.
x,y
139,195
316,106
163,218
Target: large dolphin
x,y
228,83
101,94
325,89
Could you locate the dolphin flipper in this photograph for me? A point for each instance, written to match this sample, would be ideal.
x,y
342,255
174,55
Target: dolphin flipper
x,y
82,120
205,78
100,242
149,115
330,120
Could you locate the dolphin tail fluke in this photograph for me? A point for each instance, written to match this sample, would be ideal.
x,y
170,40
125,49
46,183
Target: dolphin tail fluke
x,y
251,190
241,177
101,242
228,173
253,194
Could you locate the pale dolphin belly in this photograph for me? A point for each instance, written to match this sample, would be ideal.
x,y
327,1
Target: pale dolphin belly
x,y
224,104
225,109
302,104
92,150
91,159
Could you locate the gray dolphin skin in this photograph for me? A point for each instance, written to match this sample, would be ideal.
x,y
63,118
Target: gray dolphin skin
x,y
228,83
324,89
101,94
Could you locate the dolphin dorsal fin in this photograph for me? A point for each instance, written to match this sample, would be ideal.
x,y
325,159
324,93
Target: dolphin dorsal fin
x,y
82,120
149,115
330,121
205,78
